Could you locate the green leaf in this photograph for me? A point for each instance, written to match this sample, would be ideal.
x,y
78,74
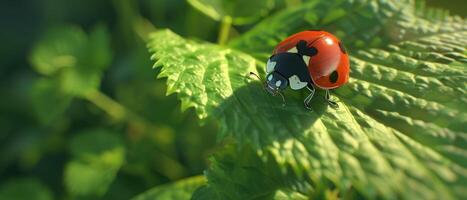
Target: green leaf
x,y
25,189
77,60
48,101
399,131
98,157
99,54
288,194
226,70
59,48
180,190
242,174
359,24
241,11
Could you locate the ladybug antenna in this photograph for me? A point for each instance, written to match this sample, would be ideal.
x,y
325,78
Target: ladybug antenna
x,y
256,75
283,98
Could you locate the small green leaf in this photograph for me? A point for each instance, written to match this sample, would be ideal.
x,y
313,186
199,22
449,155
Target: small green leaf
x,y
98,157
79,82
289,195
84,179
99,54
48,100
59,48
74,58
241,11
180,190
86,76
24,189
73,64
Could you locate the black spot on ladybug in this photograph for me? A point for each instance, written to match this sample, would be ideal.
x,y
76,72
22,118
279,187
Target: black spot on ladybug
x,y
314,51
342,48
304,49
301,45
333,77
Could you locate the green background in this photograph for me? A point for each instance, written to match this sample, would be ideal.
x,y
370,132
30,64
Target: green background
x,y
160,144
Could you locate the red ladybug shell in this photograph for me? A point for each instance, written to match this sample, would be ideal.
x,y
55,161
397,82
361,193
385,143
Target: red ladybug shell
x,y
330,67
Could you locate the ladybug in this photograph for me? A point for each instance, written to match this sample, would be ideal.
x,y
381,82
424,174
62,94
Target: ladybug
x,y
308,59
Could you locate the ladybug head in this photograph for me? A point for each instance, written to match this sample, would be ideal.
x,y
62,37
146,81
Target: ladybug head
x,y
275,83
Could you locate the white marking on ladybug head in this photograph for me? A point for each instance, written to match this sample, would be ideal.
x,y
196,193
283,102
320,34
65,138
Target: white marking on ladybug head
x,y
278,83
329,41
270,66
270,77
306,59
293,50
296,84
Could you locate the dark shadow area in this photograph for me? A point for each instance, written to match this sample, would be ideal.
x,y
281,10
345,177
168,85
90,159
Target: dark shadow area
x,y
252,115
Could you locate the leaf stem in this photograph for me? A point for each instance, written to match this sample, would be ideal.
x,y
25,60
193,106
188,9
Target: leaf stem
x,y
119,112
224,30
130,21
111,107
122,114
116,110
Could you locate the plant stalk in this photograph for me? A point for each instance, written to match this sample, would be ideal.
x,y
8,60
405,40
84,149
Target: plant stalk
x,y
122,114
108,105
224,30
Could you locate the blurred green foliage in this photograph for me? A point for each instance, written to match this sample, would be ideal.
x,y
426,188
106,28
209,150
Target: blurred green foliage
x,y
82,115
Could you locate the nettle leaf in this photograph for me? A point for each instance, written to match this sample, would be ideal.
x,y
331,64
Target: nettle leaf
x,y
98,156
359,24
241,11
241,173
179,190
399,132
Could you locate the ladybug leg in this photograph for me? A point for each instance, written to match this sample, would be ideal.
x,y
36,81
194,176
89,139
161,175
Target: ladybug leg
x,y
309,97
330,102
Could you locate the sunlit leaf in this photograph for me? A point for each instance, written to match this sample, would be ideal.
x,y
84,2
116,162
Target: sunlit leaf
x,y
180,190
360,24
98,154
399,130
